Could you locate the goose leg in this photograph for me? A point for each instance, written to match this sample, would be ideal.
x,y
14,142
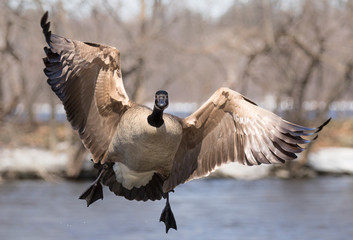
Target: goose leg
x,y
95,191
167,216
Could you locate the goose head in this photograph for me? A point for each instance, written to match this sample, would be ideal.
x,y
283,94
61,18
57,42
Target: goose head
x,y
161,102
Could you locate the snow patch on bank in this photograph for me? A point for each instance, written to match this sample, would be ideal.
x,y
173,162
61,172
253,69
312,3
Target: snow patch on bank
x,y
32,160
332,160
39,161
239,171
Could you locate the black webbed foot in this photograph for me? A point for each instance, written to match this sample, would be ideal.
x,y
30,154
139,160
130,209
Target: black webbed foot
x,y
167,217
95,191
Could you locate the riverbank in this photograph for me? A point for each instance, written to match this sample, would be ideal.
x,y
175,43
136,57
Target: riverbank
x,y
24,154
24,163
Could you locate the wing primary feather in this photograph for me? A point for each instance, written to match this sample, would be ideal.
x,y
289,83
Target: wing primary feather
x,y
293,127
323,125
45,26
260,157
276,159
282,153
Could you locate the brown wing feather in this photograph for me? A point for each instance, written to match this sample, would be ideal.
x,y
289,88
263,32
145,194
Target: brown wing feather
x,y
87,79
229,128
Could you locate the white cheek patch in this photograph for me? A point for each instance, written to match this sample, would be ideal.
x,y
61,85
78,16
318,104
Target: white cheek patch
x,y
130,178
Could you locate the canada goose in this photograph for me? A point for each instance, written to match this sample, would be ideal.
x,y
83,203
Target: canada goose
x,y
143,154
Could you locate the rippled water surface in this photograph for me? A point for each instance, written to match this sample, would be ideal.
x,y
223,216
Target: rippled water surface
x,y
320,208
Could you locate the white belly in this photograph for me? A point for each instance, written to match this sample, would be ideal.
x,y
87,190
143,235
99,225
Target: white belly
x,y
130,178
141,150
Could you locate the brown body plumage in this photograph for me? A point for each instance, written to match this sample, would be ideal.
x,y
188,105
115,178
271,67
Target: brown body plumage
x,y
140,161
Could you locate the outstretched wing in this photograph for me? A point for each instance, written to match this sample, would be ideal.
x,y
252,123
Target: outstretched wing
x,y
87,79
229,128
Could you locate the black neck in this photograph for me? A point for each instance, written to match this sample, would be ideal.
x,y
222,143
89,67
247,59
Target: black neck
x,y
156,118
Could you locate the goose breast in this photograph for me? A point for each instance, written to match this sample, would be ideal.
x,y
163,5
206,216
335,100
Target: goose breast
x,y
142,147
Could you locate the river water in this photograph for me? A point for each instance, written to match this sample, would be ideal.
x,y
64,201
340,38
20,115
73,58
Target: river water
x,y
320,208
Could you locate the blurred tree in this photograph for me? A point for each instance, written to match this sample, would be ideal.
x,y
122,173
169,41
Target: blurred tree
x,y
292,55
9,58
